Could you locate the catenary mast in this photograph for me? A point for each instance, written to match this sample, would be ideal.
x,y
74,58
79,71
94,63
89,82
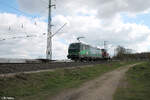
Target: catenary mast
x,y
105,45
49,34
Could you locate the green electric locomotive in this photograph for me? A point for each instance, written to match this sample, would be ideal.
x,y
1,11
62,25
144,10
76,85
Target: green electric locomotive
x,y
84,52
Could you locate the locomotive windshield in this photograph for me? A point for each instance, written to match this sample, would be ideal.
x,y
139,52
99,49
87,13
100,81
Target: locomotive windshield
x,y
75,46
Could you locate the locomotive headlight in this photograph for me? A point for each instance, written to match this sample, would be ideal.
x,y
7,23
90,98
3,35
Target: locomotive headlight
x,y
79,53
87,53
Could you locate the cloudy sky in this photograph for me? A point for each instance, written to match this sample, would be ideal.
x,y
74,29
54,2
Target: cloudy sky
x,y
120,22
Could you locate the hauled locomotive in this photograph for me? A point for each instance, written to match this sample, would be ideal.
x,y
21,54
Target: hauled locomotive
x,y
81,51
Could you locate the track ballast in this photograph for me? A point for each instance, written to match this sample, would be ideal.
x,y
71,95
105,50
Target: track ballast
x,y
7,68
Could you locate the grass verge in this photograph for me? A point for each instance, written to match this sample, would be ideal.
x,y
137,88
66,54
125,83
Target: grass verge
x,y
137,84
40,86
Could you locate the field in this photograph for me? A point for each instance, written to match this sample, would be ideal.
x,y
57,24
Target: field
x,y
136,85
40,86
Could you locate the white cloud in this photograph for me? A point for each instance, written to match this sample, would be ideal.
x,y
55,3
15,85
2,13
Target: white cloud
x,y
104,8
97,20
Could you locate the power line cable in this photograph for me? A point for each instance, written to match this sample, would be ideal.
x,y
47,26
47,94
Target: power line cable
x,y
16,9
44,2
18,37
13,7
10,6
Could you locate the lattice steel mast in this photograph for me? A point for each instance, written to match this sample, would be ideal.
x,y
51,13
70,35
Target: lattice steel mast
x,y
105,45
49,38
50,35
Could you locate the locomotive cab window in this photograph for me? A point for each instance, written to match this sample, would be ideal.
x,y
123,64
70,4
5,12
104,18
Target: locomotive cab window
x,y
75,46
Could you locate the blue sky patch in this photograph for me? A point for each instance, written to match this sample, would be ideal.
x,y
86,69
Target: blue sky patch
x,y
139,19
11,6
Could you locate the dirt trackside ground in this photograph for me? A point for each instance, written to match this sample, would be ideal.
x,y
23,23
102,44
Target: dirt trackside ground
x,y
101,88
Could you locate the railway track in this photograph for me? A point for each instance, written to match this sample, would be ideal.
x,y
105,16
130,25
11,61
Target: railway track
x,y
10,68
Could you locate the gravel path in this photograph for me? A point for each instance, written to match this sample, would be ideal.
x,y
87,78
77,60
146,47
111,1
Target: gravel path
x,y
101,88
